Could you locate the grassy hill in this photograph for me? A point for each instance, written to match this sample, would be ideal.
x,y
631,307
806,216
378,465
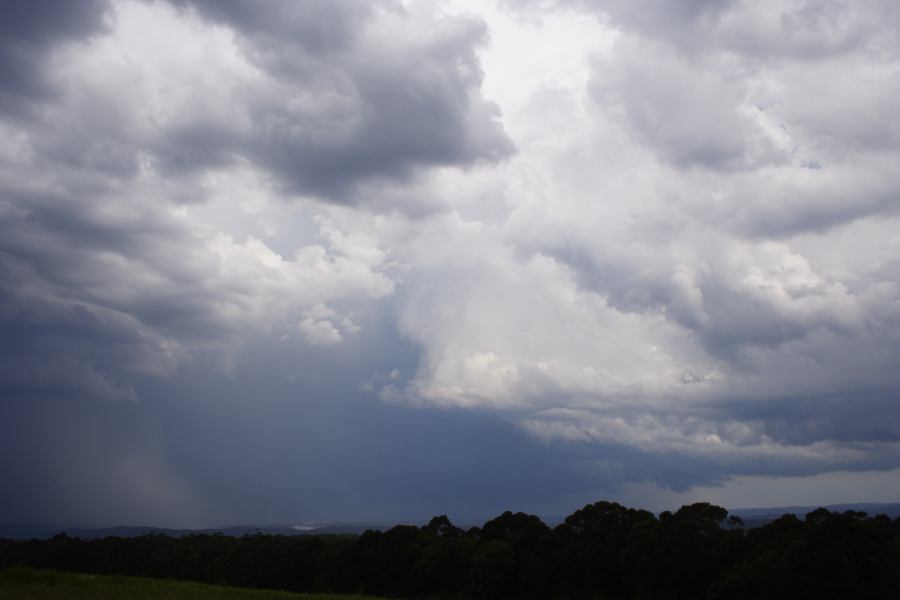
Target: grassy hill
x,y
19,583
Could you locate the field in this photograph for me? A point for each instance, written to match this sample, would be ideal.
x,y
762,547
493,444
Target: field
x,y
20,583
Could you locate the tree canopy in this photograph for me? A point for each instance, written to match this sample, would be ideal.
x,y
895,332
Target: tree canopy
x,y
603,550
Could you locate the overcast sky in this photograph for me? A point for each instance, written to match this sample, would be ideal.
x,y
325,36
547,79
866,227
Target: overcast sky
x,y
354,260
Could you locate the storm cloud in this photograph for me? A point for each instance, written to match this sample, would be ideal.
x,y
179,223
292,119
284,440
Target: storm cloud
x,y
29,34
381,260
341,94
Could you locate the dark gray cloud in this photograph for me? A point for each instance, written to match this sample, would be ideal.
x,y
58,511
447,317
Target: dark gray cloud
x,y
333,99
212,449
92,296
317,27
838,417
348,98
60,308
109,293
29,31
226,294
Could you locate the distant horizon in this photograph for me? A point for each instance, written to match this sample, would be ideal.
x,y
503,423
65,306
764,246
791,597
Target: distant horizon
x,y
465,522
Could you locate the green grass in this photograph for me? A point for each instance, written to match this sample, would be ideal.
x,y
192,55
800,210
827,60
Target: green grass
x,y
20,583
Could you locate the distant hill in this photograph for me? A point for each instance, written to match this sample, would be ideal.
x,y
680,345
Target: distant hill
x,y
26,531
752,517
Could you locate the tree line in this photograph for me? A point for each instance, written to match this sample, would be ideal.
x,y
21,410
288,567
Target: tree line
x,y
602,551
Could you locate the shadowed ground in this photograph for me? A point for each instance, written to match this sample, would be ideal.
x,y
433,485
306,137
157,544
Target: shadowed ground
x,y
19,583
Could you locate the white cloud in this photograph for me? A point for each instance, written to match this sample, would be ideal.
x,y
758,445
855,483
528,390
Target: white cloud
x,y
661,243
320,333
693,251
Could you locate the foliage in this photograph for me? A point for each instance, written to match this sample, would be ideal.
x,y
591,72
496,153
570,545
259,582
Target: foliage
x,y
603,550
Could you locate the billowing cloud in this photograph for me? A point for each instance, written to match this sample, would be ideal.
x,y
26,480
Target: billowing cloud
x,y
339,95
666,267
374,259
29,34
96,234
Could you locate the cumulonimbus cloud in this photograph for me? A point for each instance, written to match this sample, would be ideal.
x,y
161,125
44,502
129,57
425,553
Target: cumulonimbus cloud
x,y
673,259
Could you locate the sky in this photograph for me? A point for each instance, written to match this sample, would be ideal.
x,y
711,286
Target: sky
x,y
352,261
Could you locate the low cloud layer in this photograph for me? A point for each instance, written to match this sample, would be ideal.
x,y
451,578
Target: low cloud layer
x,y
363,257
